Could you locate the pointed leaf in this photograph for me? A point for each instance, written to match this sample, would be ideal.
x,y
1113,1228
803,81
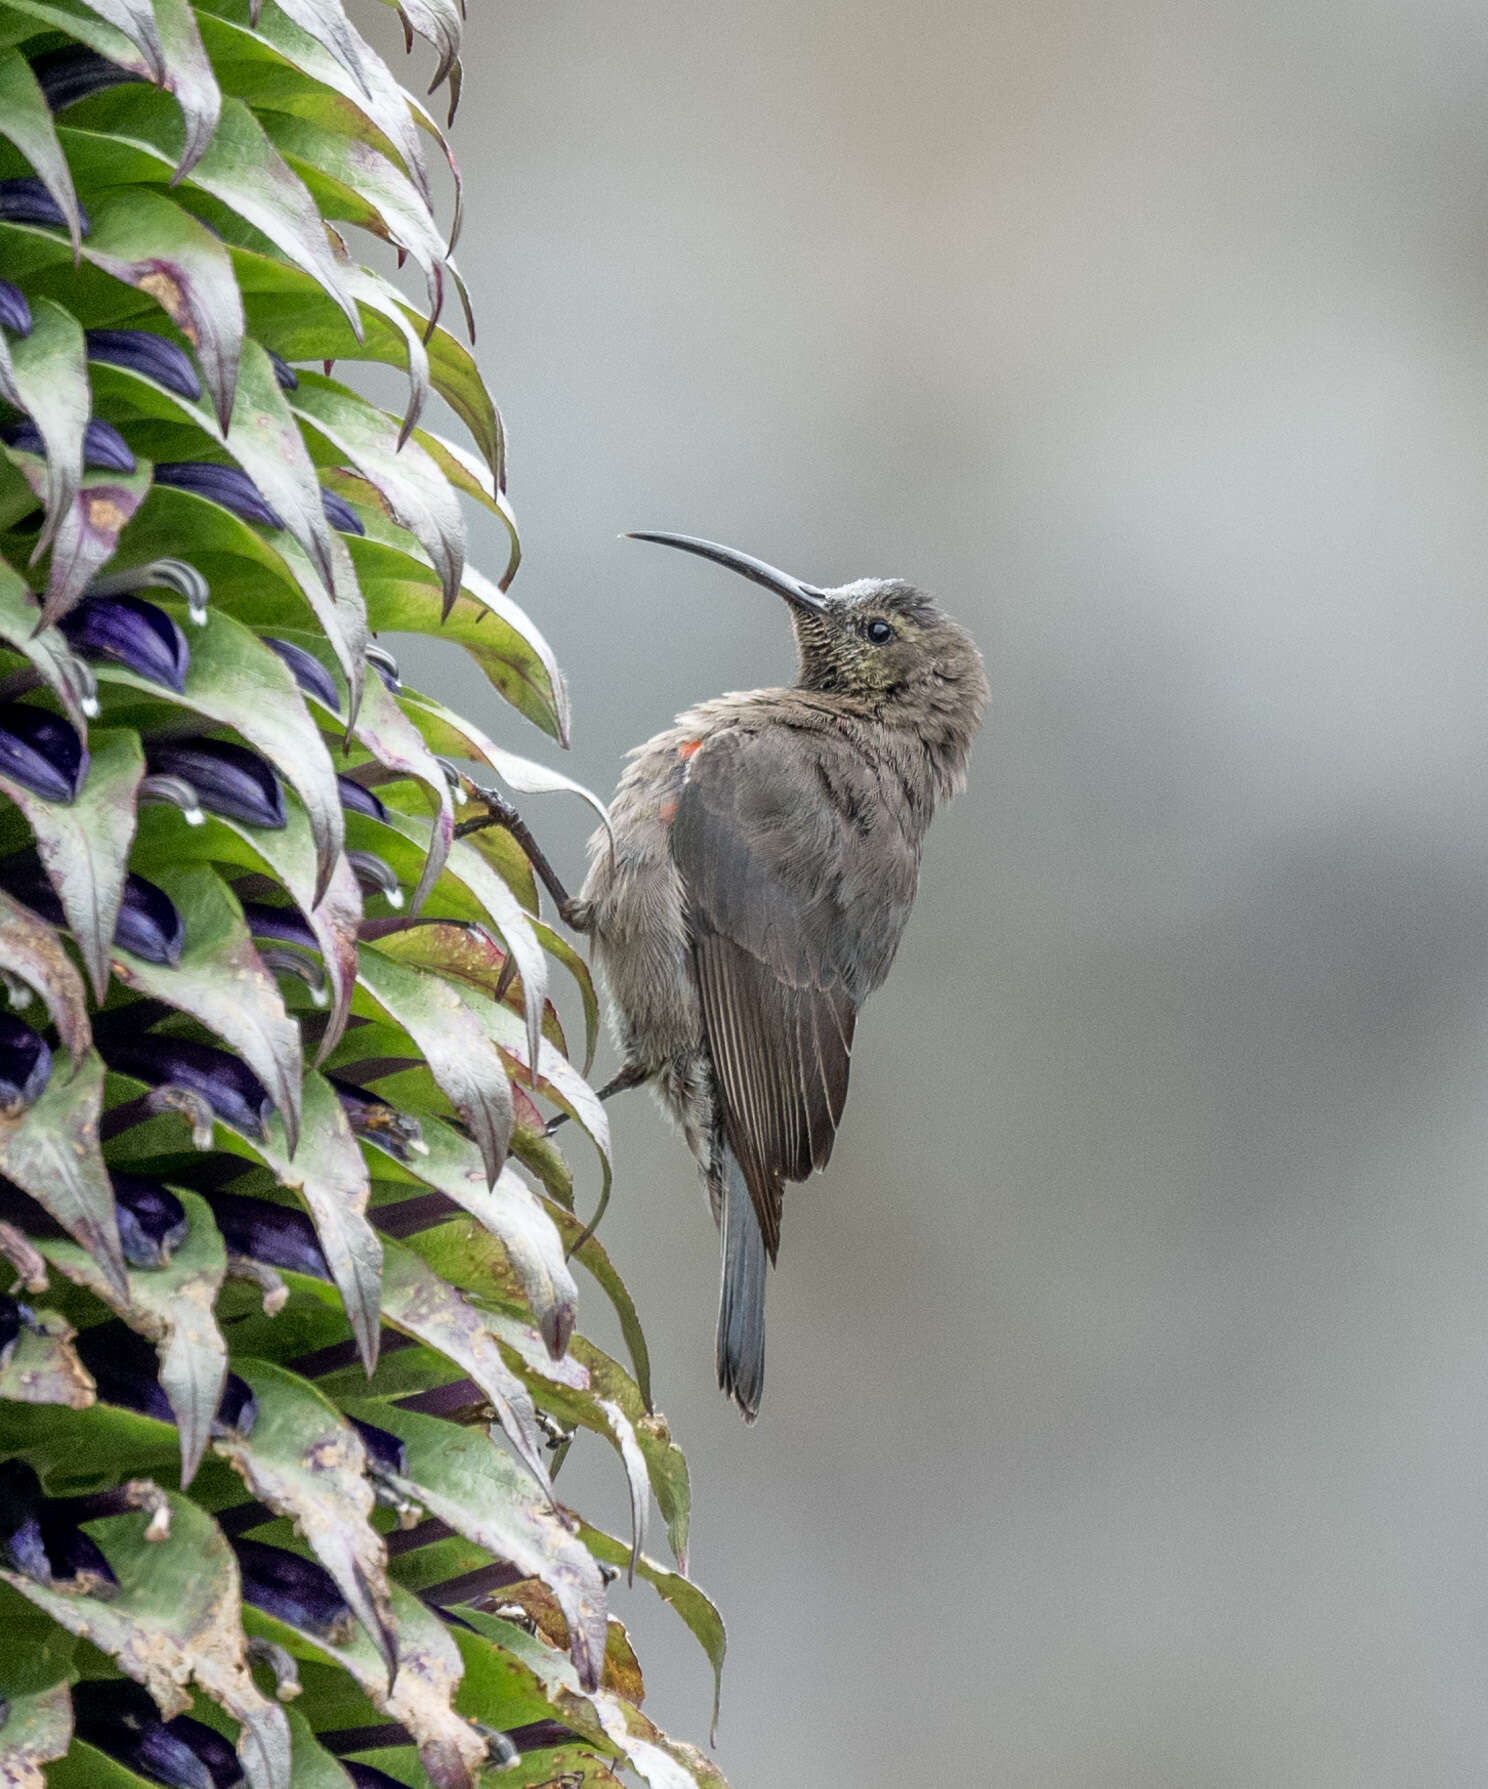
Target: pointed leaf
x,y
177,1616
392,739
221,981
354,183
188,75
288,856
84,848
422,1695
150,242
285,580
593,1256
415,489
136,20
511,1212
46,648
304,1461
31,950
51,1152
307,73
416,1300
460,1055
38,1728
241,169
403,596
236,681
473,1487
43,1368
26,119
172,1306
50,371
88,533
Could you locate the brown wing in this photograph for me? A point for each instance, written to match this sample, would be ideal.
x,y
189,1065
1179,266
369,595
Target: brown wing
x,y
798,883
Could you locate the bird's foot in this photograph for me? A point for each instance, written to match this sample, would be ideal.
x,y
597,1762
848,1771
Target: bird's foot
x,y
631,1075
500,812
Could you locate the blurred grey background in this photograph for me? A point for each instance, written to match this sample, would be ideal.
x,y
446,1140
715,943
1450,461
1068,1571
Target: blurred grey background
x,y
1127,1407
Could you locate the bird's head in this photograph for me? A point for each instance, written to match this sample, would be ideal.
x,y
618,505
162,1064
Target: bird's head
x,y
881,644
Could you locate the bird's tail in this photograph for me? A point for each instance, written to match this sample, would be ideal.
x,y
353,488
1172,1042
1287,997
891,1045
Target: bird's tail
x,y
741,1303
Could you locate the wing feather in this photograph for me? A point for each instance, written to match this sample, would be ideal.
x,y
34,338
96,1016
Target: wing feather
x,y
796,905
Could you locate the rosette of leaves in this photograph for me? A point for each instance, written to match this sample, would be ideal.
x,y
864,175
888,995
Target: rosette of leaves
x,y
288,1358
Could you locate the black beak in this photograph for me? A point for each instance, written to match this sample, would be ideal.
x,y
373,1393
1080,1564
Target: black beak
x,y
800,596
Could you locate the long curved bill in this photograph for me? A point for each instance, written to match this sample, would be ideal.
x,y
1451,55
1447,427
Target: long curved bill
x,y
797,594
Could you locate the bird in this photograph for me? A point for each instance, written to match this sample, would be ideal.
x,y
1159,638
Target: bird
x,y
751,891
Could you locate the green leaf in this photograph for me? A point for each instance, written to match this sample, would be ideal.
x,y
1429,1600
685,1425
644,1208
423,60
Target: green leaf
x,y
177,1616
38,1728
188,75
306,1463
277,66
695,1608
236,681
26,119
286,313
51,1151
510,1211
403,596
288,856
454,735
151,243
221,981
409,479
328,1174
43,1368
84,847
416,1300
463,1481
135,19
241,169
224,546
50,371
172,1307
38,1654
46,648
311,1765
85,1767
593,1256
385,731
88,533
355,183
31,950
460,1055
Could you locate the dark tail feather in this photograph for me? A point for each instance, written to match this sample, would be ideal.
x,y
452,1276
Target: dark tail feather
x,y
741,1304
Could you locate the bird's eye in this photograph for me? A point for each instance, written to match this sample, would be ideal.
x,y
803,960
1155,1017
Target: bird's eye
x,y
879,632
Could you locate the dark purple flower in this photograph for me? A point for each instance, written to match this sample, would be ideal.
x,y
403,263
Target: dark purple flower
x,y
27,201
15,312
104,448
149,923
152,1220
65,76
284,374
277,1235
41,751
228,485
224,1081
356,798
229,779
151,356
130,632
25,1063
309,673
126,1370
340,514
293,1589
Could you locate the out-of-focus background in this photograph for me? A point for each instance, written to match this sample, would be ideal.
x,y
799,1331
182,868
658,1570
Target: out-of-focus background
x,y
1127,1406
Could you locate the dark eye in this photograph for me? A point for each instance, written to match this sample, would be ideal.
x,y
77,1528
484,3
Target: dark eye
x,y
879,632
